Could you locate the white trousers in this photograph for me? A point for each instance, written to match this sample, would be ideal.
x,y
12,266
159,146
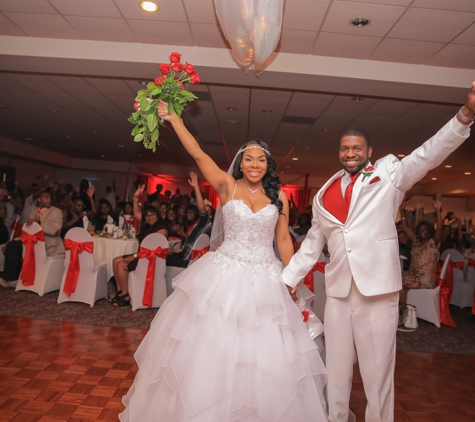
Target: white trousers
x,y
361,327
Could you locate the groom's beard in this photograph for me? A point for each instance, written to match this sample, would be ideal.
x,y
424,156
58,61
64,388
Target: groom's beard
x,y
357,169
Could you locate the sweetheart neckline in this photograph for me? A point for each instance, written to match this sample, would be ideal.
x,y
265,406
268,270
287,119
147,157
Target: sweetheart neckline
x,y
249,208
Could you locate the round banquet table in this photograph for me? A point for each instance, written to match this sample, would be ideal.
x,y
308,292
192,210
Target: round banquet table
x,y
106,249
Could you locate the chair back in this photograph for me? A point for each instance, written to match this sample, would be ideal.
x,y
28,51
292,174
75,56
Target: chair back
x,y
86,261
152,242
40,248
200,243
455,255
443,271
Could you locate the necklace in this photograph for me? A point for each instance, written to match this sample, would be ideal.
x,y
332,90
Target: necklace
x,y
253,191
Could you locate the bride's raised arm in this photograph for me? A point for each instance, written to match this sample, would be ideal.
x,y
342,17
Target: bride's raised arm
x,y
217,178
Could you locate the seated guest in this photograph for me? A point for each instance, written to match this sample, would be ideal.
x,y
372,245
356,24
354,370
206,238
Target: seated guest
x,y
405,245
422,273
73,217
65,202
196,224
4,236
162,209
449,240
110,194
304,224
175,231
51,220
102,215
122,265
81,192
180,214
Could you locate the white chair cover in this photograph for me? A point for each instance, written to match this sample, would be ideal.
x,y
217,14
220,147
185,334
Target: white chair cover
x,y
137,278
427,301
92,282
49,270
201,242
462,295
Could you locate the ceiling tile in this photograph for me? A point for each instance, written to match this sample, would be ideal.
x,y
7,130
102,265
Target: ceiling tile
x,y
343,45
9,28
382,18
102,29
296,42
304,15
460,56
46,26
96,8
173,33
467,37
27,6
201,11
461,5
208,35
405,51
169,10
431,25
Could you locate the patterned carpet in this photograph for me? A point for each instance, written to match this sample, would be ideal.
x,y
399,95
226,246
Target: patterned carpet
x,y
427,338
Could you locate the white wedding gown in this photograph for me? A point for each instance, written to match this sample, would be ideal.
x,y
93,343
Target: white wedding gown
x,y
229,344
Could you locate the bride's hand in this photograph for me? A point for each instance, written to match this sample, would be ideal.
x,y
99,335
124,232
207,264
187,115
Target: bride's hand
x,y
293,292
163,111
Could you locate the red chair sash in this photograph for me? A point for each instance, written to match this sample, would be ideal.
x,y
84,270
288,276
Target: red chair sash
x,y
297,246
471,263
151,255
74,268
446,289
28,270
308,280
199,253
16,228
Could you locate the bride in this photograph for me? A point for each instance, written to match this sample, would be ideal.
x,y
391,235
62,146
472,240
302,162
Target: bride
x,y
229,344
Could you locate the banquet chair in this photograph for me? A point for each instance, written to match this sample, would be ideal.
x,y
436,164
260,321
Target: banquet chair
x,y
319,301
200,247
427,301
48,269
462,295
92,280
12,236
173,272
137,279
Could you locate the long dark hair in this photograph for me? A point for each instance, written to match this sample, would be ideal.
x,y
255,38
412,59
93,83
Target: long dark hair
x,y
270,182
145,228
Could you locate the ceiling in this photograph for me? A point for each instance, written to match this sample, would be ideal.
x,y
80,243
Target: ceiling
x,y
400,78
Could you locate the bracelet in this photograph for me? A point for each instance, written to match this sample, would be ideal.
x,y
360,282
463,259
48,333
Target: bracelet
x,y
464,118
136,199
403,218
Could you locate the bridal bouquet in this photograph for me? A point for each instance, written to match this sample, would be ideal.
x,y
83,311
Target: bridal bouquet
x,y
169,87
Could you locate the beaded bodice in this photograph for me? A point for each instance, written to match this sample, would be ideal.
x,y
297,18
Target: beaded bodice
x,y
249,236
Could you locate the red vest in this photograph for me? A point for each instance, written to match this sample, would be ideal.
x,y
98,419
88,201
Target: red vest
x,y
334,202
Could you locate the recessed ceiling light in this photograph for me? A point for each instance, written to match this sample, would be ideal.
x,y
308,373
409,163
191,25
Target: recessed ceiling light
x,y
360,21
281,171
102,156
401,155
94,131
357,99
231,108
467,173
54,111
69,136
140,155
434,178
149,6
287,167
267,111
295,159
233,122
326,130
448,167
121,146
29,139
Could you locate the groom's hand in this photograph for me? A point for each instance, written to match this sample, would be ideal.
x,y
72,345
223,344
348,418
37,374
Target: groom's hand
x,y
293,292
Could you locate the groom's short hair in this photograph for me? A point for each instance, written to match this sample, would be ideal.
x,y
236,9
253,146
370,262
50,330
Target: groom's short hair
x,y
357,132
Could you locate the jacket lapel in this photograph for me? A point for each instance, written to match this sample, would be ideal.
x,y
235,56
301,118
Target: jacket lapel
x,y
320,193
357,189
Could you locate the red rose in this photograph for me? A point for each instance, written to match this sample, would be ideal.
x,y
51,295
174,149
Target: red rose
x,y
305,314
195,79
189,68
164,68
177,67
369,168
159,81
137,106
175,57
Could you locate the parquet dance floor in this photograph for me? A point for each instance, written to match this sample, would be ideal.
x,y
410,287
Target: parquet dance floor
x,y
56,371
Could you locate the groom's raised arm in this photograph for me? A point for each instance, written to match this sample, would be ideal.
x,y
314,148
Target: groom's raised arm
x,y
412,168
306,257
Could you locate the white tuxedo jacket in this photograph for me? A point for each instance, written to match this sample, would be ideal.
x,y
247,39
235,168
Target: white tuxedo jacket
x,y
365,247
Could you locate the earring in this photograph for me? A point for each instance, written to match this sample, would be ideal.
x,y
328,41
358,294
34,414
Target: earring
x,y
240,168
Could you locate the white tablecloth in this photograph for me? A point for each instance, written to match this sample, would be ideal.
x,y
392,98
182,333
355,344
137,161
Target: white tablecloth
x,y
106,250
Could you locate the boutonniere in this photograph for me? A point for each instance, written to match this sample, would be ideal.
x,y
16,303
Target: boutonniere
x,y
366,172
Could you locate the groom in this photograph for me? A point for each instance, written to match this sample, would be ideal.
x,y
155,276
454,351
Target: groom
x,y
356,211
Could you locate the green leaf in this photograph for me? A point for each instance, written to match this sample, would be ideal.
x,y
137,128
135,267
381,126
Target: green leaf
x,y
138,137
132,120
154,135
157,90
170,108
151,86
152,122
144,104
150,145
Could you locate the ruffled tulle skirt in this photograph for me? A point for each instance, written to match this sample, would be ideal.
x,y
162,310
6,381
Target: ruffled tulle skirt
x,y
227,345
